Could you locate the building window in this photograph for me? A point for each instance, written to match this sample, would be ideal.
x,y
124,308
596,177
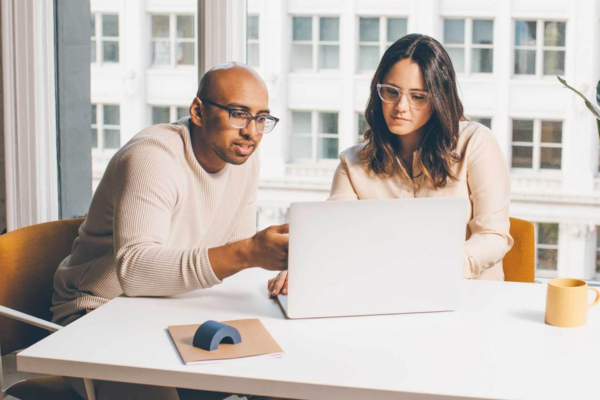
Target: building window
x,y
470,44
315,43
375,36
362,127
314,136
166,114
253,46
105,38
106,126
485,121
546,260
536,144
536,56
173,42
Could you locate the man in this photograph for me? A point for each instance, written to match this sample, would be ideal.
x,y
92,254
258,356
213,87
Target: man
x,y
175,210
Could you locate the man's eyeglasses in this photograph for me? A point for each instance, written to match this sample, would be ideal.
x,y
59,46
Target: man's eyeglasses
x,y
391,94
240,118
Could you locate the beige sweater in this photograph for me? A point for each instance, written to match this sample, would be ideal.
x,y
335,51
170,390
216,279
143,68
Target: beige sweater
x,y
152,219
483,178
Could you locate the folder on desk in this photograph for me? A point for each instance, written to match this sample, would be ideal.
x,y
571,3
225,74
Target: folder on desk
x,y
256,343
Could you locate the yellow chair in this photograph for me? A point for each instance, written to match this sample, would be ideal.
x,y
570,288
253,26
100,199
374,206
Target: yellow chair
x,y
29,258
519,262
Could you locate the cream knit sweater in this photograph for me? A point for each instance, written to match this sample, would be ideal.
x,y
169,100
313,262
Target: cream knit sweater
x,y
152,219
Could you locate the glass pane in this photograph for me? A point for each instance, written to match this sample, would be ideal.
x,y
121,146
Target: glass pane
x,y
94,114
597,262
112,138
525,62
554,33
548,233
369,30
93,51
302,28
185,26
182,112
522,130
327,148
598,237
302,57
368,58
110,51
551,132
547,259
253,56
483,31
396,28
550,158
252,29
93,23
329,57
160,115
483,121
328,122
454,31
95,138
160,26
362,126
458,59
525,34
110,25
185,53
161,53
554,62
482,61
301,148
112,115
329,29
301,122
522,157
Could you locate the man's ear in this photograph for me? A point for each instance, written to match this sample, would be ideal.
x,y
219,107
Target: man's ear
x,y
195,112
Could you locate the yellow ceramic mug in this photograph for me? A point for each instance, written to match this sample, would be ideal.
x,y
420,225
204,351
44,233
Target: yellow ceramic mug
x,y
566,302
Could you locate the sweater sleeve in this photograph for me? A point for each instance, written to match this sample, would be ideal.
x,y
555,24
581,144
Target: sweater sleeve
x,y
148,185
488,180
341,187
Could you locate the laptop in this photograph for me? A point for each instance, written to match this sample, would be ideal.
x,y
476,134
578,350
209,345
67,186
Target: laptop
x,y
374,257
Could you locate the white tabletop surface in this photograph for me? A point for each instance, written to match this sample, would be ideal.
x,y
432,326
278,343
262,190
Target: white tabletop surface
x,y
495,346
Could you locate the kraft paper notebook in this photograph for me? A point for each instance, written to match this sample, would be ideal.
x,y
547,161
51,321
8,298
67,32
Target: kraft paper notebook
x,y
256,343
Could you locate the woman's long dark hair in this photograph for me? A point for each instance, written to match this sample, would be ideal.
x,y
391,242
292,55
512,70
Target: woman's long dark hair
x,y
440,137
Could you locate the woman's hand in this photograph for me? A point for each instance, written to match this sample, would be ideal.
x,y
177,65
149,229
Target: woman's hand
x,y
279,284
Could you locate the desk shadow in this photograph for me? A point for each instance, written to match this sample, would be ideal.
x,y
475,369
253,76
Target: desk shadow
x,y
536,316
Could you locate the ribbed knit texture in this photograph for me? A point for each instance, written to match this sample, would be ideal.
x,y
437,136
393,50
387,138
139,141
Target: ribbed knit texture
x,y
152,219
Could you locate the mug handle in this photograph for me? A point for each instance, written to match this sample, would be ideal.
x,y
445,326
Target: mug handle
x,y
595,303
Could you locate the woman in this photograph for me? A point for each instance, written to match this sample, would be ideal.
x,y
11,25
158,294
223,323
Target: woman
x,y
419,144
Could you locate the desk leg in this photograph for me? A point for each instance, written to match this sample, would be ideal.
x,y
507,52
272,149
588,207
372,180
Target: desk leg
x,y
89,389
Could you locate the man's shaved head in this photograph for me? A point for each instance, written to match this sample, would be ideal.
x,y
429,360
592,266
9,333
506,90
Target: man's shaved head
x,y
212,81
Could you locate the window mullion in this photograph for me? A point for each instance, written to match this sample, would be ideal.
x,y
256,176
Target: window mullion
x,y
315,49
539,56
537,140
468,43
99,39
382,35
172,32
100,125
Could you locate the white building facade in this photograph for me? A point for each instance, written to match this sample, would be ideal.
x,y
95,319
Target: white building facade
x,y
318,57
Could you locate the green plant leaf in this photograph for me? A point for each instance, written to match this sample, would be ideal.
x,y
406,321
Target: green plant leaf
x,y
598,94
591,106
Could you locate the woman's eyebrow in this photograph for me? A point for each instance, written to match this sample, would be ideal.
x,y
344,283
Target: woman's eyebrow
x,y
391,84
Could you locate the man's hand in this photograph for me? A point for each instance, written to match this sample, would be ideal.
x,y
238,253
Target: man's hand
x,y
276,284
269,248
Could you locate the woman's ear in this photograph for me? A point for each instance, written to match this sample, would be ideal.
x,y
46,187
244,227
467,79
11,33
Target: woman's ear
x,y
196,111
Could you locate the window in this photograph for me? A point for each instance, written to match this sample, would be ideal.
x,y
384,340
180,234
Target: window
x,y
470,44
314,136
165,115
253,48
536,144
105,38
315,43
173,40
534,56
546,260
106,126
375,36
486,121
362,127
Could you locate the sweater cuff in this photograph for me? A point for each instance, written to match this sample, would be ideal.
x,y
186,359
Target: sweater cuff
x,y
210,279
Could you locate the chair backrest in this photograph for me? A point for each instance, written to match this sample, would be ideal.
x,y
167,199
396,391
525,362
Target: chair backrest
x,y
519,262
29,258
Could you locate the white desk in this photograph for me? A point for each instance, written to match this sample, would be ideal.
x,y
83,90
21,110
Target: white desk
x,y
495,346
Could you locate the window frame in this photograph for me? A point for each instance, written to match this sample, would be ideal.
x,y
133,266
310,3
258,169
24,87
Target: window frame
x,y
468,45
383,43
254,41
100,127
546,274
537,146
315,42
173,41
314,136
539,49
100,38
172,112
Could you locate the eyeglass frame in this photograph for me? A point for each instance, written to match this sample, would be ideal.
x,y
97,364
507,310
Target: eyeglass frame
x,y
252,117
401,92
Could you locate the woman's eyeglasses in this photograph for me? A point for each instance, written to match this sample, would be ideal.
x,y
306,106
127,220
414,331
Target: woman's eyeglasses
x,y
390,94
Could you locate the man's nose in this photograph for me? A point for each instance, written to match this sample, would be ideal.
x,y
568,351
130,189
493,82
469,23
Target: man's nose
x,y
250,130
